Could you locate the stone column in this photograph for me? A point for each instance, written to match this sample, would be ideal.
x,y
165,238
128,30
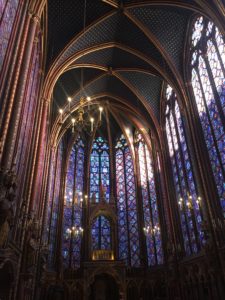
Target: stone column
x,y
11,122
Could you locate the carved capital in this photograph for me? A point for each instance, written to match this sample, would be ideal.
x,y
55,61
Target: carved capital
x,y
34,16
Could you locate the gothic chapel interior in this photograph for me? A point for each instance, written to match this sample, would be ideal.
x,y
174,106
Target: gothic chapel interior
x,y
112,150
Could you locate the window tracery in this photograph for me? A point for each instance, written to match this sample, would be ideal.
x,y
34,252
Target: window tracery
x,y
149,202
101,234
208,82
99,170
73,200
128,235
53,206
185,185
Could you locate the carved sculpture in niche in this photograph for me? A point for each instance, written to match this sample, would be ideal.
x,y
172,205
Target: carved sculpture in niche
x,y
32,231
7,196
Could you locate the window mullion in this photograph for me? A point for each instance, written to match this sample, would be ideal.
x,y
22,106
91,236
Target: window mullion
x,y
127,208
99,173
210,122
182,211
214,90
150,204
219,56
185,178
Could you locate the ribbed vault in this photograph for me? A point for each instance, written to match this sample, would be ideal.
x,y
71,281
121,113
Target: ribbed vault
x,y
125,48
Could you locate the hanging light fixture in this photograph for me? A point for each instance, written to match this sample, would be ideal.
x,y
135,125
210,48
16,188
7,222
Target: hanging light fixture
x,y
83,118
150,231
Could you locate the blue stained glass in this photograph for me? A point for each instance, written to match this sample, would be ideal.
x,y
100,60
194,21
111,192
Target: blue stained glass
x,y
94,174
73,206
101,234
54,207
186,192
126,205
99,170
149,202
210,109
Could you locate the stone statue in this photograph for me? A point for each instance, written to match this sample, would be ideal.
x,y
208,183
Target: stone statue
x,y
7,195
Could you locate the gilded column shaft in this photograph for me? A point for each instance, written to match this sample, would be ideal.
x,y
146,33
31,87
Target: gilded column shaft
x,y
12,61
13,114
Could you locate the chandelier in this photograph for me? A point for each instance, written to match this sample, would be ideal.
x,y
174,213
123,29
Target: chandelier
x,y
74,231
83,119
149,230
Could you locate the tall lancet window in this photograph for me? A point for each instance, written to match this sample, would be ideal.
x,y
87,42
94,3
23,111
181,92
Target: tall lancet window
x,y
53,203
149,202
8,9
208,81
101,234
99,170
73,200
128,235
186,191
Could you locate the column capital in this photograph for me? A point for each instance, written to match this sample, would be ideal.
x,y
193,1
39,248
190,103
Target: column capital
x,y
35,17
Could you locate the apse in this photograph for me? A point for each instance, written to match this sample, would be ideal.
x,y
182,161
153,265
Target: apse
x,y
112,150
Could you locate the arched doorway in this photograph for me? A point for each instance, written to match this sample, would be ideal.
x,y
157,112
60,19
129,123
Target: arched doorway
x,y
104,287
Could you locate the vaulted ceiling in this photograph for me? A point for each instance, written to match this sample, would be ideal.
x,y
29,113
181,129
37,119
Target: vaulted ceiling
x,y
126,49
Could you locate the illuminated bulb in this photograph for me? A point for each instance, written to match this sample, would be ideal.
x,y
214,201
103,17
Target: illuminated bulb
x,y
73,122
128,131
92,121
188,204
61,112
86,196
80,193
100,109
88,98
69,99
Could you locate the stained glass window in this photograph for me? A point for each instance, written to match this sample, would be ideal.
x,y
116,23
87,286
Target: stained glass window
x,y
99,170
8,9
73,200
208,81
53,206
126,205
101,234
185,185
149,203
